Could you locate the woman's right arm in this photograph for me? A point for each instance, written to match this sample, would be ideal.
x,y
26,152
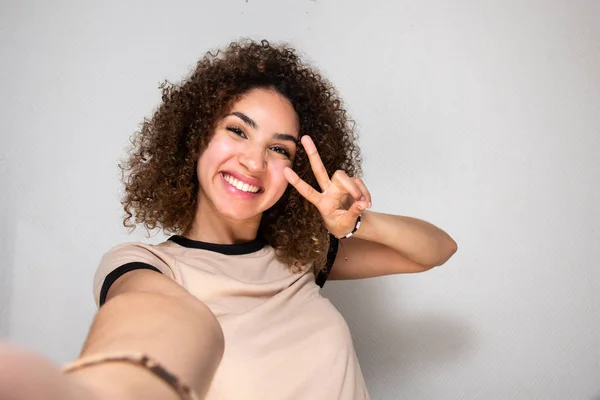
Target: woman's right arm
x,y
145,312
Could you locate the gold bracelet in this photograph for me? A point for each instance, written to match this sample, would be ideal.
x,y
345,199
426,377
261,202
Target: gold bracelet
x,y
142,360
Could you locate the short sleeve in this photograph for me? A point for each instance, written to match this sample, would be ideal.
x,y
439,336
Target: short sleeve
x,y
131,254
323,274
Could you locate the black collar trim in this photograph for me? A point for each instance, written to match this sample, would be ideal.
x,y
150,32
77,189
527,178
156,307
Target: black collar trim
x,y
227,249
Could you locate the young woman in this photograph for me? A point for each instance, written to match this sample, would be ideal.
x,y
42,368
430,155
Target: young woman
x,y
252,164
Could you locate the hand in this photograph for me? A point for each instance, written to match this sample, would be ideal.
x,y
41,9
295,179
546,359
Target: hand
x,y
342,198
29,376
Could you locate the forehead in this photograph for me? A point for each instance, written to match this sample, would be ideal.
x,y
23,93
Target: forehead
x,y
269,109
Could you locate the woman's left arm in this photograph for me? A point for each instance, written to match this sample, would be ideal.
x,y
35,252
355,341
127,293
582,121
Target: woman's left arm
x,y
388,244
384,244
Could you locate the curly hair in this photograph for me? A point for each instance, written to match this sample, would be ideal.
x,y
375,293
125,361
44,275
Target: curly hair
x,y
159,175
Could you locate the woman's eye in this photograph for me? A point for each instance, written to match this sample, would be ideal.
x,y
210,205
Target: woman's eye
x,y
236,131
281,150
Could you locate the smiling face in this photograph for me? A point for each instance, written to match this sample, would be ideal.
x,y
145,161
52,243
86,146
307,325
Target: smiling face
x,y
241,170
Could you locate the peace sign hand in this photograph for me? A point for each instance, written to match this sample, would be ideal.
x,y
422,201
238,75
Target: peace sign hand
x,y
342,198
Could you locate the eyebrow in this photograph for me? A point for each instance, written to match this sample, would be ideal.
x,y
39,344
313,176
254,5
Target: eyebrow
x,y
245,118
249,121
285,136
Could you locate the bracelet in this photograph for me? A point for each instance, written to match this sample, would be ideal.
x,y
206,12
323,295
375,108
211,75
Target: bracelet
x,y
356,226
142,360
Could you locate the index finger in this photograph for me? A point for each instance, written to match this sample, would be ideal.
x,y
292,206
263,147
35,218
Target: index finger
x,y
315,162
302,187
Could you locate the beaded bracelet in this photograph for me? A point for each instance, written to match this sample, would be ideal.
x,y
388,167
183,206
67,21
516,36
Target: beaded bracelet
x,y
142,360
356,226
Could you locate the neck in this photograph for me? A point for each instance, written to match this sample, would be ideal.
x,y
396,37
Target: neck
x,y
212,227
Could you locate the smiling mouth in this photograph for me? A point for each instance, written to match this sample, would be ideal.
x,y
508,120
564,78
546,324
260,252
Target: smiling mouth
x,y
239,185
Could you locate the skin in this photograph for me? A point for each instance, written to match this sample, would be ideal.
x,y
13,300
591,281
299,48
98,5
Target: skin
x,y
249,144
384,244
256,142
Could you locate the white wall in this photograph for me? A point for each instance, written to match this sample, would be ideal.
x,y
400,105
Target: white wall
x,y
482,117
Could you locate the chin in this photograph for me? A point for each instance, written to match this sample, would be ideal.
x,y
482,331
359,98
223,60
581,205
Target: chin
x,y
238,214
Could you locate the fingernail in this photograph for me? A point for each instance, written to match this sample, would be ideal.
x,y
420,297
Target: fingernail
x,y
362,198
370,204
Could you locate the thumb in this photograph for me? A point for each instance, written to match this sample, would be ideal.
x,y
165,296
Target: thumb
x,y
356,209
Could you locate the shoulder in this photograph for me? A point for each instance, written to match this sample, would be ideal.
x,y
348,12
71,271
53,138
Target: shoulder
x,y
127,257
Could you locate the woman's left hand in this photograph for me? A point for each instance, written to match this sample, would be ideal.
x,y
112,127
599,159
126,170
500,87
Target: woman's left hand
x,y
342,198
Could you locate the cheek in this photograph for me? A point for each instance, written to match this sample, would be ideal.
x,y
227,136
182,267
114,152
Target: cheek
x,y
277,174
217,152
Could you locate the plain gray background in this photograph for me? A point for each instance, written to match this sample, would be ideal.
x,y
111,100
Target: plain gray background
x,y
482,117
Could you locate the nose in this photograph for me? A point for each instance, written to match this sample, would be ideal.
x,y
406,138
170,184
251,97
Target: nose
x,y
253,159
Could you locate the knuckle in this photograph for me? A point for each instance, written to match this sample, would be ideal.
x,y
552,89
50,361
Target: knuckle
x,y
338,174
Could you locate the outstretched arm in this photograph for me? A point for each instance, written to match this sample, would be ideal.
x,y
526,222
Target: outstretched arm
x,y
145,312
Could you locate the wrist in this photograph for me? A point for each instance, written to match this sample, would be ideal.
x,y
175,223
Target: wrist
x,y
364,232
123,377
352,232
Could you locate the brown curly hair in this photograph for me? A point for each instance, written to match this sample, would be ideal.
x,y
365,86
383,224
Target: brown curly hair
x,y
159,175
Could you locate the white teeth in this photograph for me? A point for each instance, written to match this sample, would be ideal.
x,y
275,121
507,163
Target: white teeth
x,y
240,185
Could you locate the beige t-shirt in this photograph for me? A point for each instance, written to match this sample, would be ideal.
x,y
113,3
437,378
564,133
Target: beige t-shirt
x,y
283,339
